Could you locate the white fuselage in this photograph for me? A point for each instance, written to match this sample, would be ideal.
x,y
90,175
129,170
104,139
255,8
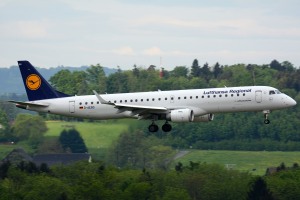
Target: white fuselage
x,y
201,101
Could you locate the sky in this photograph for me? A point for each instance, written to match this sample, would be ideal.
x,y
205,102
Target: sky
x,y
165,33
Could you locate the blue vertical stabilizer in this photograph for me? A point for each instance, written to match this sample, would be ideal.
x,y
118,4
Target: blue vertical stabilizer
x,y
37,88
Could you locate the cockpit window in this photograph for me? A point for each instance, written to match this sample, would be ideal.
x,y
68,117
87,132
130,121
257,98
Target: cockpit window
x,y
274,92
271,92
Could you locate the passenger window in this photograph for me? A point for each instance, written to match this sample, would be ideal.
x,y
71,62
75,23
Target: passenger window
x,y
196,97
237,94
191,97
159,99
80,103
120,101
131,100
85,103
141,100
115,101
125,101
153,99
184,97
214,96
208,96
232,95
220,95
178,98
166,98
202,97
244,94
97,102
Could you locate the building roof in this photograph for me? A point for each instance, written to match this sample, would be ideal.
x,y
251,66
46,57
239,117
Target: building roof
x,y
18,155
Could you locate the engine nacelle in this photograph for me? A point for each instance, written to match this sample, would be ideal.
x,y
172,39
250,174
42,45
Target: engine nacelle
x,y
204,118
182,115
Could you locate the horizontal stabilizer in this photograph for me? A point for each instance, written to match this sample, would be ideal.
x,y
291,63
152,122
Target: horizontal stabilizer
x,y
29,103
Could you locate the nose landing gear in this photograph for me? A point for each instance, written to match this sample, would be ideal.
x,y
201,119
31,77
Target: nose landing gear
x,y
266,113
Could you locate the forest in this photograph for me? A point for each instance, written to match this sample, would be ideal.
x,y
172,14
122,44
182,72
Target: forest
x,y
233,131
148,174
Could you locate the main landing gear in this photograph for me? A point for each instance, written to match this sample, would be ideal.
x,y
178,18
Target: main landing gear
x,y
266,113
154,128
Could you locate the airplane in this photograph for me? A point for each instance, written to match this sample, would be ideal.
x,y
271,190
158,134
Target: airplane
x,y
192,105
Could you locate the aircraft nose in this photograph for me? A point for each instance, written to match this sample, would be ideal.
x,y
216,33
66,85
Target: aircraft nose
x,y
291,102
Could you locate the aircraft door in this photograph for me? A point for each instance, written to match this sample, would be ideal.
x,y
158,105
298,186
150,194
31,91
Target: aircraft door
x,y
258,96
72,106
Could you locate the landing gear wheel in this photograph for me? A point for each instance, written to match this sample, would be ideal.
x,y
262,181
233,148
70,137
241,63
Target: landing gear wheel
x,y
153,128
266,113
166,127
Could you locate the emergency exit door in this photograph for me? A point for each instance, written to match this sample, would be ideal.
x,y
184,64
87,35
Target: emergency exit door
x,y
72,106
258,96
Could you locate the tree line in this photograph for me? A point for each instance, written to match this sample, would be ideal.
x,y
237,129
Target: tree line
x,y
198,181
227,131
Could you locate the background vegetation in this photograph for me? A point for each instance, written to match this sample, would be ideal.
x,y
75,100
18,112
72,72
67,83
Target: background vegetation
x,y
131,163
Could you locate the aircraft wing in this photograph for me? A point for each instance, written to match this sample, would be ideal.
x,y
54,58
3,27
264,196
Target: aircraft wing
x,y
139,107
135,109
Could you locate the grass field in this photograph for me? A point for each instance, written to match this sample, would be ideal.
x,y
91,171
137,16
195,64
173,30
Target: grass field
x,y
98,136
255,162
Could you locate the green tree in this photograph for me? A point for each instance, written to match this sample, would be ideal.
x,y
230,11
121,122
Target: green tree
x,y
29,127
35,187
71,139
217,70
4,126
179,71
63,82
195,69
96,78
276,65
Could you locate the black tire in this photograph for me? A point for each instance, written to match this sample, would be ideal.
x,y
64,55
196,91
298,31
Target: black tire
x,y
166,127
267,121
153,128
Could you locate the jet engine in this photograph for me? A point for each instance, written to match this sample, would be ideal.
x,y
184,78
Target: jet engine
x,y
204,118
181,115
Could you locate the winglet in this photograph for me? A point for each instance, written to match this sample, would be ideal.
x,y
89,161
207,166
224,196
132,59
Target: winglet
x,y
102,101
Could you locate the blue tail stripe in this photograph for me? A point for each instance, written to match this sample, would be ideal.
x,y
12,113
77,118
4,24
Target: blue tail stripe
x,y
37,88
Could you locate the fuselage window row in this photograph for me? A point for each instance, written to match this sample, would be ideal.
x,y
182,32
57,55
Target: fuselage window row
x,y
159,99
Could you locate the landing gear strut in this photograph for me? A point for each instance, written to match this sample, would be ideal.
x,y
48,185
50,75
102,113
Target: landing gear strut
x,y
266,113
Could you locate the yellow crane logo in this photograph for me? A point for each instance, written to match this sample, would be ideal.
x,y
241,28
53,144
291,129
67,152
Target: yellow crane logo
x,y
33,82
